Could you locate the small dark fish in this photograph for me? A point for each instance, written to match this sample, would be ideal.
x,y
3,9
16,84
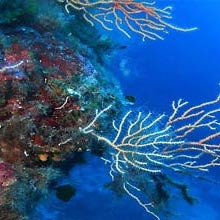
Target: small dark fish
x,y
130,99
65,192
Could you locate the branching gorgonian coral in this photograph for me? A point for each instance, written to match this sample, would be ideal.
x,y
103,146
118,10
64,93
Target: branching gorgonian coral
x,y
141,17
187,139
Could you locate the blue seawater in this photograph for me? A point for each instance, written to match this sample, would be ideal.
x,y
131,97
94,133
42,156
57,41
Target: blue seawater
x,y
94,201
184,65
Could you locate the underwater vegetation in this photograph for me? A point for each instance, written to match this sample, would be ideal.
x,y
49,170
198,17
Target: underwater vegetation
x,y
58,100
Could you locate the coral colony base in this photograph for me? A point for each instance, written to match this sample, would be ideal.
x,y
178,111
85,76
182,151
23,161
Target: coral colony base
x,y
52,80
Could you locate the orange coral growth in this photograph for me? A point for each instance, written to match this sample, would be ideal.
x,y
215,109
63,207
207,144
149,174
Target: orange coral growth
x,y
143,18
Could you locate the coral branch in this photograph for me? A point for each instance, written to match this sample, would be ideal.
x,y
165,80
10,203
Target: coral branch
x,y
143,18
5,68
152,144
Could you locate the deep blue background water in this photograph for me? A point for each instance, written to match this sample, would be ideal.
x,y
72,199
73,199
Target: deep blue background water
x,y
184,65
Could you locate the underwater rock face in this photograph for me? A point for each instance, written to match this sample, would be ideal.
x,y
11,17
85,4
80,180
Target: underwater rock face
x,y
35,103
46,94
47,91
50,86
7,175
